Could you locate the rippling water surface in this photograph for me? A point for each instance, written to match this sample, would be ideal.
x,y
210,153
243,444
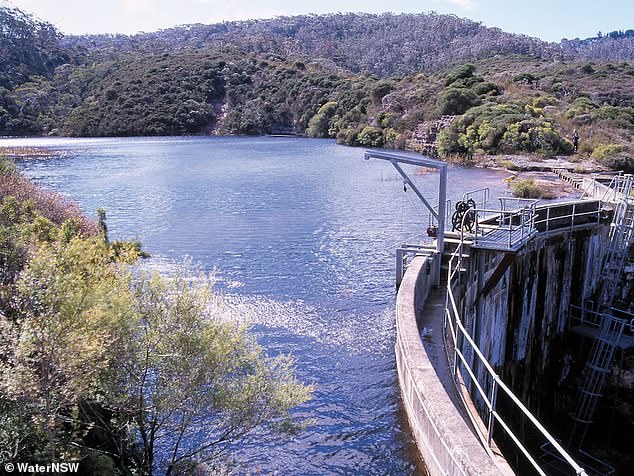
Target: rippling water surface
x,y
302,234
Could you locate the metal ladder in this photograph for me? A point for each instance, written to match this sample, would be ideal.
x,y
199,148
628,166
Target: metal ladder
x,y
599,364
621,234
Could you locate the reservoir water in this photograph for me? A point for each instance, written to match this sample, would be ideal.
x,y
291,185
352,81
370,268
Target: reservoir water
x,y
302,236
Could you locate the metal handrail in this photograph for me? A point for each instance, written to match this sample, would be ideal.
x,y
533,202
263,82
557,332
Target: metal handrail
x,y
526,220
519,202
522,219
484,191
572,216
453,322
618,189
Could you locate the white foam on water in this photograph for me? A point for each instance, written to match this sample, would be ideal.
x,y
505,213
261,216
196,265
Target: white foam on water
x,y
369,330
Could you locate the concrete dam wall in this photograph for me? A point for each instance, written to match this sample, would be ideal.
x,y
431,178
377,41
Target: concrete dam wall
x,y
516,307
446,442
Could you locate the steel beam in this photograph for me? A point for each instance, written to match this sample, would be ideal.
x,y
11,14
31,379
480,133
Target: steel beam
x,y
421,161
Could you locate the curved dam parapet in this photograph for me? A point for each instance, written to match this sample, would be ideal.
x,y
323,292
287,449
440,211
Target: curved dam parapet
x,y
444,434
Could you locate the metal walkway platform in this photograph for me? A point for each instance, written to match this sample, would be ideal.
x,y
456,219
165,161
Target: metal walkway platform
x,y
505,239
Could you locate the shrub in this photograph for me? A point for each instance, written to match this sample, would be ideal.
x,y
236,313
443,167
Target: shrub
x,y
622,161
603,151
580,106
380,90
526,78
502,128
486,87
391,137
349,135
620,116
541,102
460,73
527,188
456,101
50,204
320,124
448,142
509,165
370,137
533,136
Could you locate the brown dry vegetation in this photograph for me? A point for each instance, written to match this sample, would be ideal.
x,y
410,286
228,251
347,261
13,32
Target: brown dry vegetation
x,y
50,204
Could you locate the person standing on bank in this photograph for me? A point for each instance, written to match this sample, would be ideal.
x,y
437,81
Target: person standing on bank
x,y
575,141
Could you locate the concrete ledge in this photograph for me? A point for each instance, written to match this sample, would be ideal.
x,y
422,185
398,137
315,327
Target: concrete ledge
x,y
446,443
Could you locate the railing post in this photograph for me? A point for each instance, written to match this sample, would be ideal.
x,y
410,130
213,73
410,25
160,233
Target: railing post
x,y
548,218
574,208
494,395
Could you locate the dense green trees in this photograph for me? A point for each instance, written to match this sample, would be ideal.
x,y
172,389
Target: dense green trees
x,y
120,370
27,47
502,128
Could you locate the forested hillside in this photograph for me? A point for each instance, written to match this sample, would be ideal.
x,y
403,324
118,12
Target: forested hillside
x,y
384,44
369,80
27,47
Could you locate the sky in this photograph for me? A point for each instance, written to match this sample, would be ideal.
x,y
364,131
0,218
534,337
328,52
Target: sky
x,y
549,20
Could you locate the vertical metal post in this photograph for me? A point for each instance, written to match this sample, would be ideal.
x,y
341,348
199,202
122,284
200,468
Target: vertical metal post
x,y
442,214
494,395
399,267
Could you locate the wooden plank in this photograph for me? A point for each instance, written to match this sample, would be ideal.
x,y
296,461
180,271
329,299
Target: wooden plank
x,y
496,275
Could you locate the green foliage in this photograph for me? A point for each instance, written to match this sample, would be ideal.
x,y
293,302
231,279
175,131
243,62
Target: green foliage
x,y
28,46
496,128
321,123
617,117
380,90
17,433
171,94
71,312
486,88
205,79
349,135
533,135
7,167
527,188
100,366
509,165
527,78
614,156
188,369
603,151
370,137
456,101
580,106
463,72
622,161
101,223
391,138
